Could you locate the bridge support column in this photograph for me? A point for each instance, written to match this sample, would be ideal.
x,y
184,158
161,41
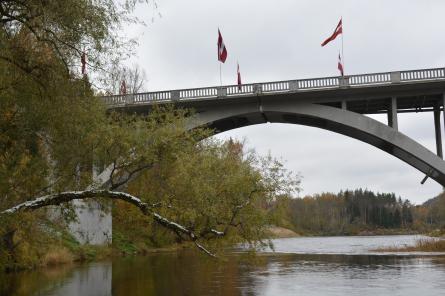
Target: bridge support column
x,y
443,105
94,223
438,130
392,114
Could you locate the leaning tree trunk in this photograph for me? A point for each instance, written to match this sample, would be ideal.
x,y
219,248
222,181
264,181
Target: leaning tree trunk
x,y
146,209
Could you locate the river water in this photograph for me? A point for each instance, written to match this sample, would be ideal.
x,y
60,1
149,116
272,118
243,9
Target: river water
x,y
300,266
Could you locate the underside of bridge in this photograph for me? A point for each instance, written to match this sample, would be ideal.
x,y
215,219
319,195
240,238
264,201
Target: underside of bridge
x,y
331,118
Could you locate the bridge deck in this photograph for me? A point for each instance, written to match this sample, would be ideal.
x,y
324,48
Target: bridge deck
x,y
416,91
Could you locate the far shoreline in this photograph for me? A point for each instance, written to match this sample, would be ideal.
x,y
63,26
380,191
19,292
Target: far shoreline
x,y
283,232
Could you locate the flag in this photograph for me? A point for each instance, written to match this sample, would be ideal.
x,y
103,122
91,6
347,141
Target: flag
x,y
338,31
83,61
340,65
222,51
239,77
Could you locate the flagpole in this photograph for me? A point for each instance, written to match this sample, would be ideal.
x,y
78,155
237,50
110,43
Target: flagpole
x,y
342,47
219,62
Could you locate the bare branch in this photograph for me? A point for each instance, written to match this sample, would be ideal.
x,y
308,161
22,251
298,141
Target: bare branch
x,y
130,175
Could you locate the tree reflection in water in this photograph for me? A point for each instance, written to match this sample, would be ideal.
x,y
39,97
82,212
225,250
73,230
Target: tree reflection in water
x,y
189,273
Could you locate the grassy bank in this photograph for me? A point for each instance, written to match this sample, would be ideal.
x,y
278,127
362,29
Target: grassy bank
x,y
422,245
281,232
62,255
437,233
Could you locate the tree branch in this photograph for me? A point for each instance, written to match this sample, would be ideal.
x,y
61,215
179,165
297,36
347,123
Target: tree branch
x,y
63,197
238,208
129,176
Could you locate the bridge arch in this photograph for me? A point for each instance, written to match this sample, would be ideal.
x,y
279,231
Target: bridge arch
x,y
337,120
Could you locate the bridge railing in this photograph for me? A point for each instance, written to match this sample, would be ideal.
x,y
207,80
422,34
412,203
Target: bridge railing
x,y
278,87
370,79
426,74
318,83
245,89
206,92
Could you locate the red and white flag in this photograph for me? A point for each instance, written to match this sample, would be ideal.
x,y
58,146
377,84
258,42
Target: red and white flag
x,y
239,77
222,51
338,31
83,61
340,65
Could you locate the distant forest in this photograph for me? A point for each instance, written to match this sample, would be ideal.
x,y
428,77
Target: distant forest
x,y
358,211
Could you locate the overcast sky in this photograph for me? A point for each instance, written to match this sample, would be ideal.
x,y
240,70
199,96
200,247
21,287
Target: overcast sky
x,y
280,40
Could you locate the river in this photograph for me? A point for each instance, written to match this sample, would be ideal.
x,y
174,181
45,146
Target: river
x,y
300,266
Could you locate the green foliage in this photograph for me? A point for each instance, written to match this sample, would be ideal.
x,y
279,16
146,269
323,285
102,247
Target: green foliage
x,y
348,212
134,233
54,131
50,122
431,214
41,38
211,185
125,245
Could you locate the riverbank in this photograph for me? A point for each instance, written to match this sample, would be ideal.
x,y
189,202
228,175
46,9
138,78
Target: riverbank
x,y
385,231
61,255
421,245
68,251
365,232
281,232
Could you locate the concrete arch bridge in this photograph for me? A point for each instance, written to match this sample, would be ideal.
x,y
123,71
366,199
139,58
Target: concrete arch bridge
x,y
338,104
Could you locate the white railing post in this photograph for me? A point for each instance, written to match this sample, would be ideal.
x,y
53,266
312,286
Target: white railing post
x,y
175,95
343,82
293,85
257,89
222,92
129,99
396,77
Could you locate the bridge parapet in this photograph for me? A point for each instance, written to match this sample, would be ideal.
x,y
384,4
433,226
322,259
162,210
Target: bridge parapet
x,y
426,74
396,77
370,79
277,87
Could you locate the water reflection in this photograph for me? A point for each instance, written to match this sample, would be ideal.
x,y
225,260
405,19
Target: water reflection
x,y
93,279
189,273
185,273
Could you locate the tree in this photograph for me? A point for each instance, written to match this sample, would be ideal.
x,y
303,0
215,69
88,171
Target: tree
x,y
50,118
53,131
349,212
397,218
126,80
201,190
